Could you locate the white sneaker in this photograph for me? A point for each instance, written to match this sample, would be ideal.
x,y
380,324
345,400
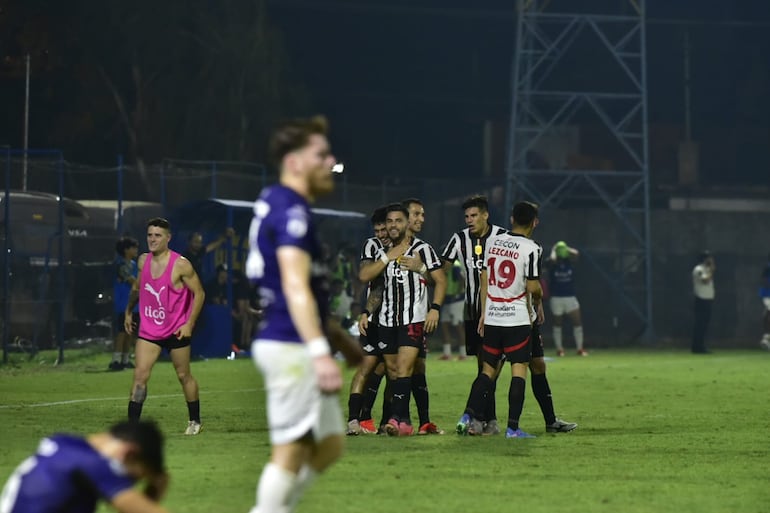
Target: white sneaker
x,y
193,428
354,428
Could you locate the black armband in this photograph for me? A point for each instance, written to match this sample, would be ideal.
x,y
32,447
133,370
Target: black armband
x,y
435,306
365,312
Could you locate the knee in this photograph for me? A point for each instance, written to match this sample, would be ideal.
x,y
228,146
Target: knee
x,y
537,366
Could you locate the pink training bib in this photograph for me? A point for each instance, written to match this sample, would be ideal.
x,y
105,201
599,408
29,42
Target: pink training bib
x,y
162,308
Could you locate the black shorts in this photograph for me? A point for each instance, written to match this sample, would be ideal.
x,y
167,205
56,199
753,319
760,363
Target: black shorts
x,y
509,342
370,343
119,321
536,344
411,335
171,342
472,337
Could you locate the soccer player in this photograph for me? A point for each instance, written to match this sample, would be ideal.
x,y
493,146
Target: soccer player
x,y
366,380
561,283
292,350
73,473
510,286
703,291
454,312
404,315
170,297
764,294
126,270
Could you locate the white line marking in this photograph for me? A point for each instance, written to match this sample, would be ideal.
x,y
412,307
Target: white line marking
x,y
97,399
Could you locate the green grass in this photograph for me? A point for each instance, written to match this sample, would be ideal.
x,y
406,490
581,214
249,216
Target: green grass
x,y
659,432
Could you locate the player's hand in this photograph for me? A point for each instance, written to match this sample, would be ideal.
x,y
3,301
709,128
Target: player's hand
x,y
431,321
128,323
480,327
184,331
363,324
410,263
540,314
156,486
328,374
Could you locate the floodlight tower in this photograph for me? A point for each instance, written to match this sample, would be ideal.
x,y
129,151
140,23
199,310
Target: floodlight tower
x,y
576,69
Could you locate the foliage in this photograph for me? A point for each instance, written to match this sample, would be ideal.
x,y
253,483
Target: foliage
x,y
659,432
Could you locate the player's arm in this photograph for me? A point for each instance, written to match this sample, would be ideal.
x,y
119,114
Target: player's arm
x,y
483,287
535,291
295,264
211,246
133,296
342,341
134,501
373,303
370,269
190,279
439,294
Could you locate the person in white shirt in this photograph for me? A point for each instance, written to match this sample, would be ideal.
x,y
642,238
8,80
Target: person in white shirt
x,y
703,290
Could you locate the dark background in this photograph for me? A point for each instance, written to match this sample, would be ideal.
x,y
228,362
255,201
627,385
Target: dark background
x,y
408,85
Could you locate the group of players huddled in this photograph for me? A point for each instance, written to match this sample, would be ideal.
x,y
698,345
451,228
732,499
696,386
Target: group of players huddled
x,y
503,314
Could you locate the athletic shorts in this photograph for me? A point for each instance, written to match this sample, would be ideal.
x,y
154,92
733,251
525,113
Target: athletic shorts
x,y
370,343
472,337
118,321
453,313
766,302
513,343
536,344
170,343
564,305
411,335
295,405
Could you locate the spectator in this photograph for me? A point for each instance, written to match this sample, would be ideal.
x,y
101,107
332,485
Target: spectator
x,y
196,251
126,270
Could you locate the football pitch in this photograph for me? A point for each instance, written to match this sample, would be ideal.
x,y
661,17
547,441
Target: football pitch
x,y
660,431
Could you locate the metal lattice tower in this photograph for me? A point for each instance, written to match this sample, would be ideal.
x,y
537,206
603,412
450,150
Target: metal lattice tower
x,y
558,84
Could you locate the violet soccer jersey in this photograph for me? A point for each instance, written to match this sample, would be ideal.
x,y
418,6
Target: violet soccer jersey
x,y
282,218
561,278
510,261
65,474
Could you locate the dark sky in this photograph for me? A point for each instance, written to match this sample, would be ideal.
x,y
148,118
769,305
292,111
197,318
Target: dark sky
x,y
412,82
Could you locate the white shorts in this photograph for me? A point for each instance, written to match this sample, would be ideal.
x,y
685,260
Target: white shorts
x,y
564,305
295,405
453,313
766,302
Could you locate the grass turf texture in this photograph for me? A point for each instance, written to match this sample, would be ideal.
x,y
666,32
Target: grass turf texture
x,y
659,432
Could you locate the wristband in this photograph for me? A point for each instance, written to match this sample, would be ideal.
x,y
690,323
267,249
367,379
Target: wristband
x,y
423,269
384,258
365,312
435,306
318,347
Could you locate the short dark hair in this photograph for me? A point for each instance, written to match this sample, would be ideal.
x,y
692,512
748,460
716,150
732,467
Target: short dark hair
x,y
524,213
148,438
294,134
411,201
379,214
477,200
160,223
125,243
397,207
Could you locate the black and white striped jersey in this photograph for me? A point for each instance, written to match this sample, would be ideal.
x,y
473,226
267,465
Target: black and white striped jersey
x,y
405,298
469,250
371,249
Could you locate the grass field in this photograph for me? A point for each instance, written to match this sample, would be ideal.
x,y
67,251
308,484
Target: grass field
x,y
659,432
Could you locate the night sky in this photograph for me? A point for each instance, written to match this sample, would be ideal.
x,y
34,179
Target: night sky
x,y
408,85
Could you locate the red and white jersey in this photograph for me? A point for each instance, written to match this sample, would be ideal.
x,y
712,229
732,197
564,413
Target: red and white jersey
x,y
510,261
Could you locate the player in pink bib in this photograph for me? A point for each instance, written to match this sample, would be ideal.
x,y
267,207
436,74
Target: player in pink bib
x,y
170,297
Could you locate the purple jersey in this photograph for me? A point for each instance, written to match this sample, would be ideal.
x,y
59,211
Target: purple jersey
x,y
561,280
282,218
65,474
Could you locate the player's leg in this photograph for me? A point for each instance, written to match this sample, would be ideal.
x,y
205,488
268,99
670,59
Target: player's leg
x,y
765,342
446,338
577,325
129,343
402,386
180,357
557,315
357,387
119,342
482,389
389,339
542,390
146,355
371,387
517,352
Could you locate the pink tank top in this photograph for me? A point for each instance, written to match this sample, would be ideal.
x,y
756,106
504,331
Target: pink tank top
x,y
162,308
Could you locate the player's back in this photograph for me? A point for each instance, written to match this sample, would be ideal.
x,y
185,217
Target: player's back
x,y
511,260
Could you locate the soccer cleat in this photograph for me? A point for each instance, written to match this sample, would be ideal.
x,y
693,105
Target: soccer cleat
x,y
560,352
391,428
354,429
193,428
518,433
462,424
559,426
462,358
367,426
115,366
405,429
429,428
445,357
128,365
475,428
582,352
491,428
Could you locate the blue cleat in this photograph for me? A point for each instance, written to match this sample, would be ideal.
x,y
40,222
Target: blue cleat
x,y
510,433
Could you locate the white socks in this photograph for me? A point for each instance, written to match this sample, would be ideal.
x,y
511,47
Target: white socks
x,y
578,331
274,490
557,341
447,349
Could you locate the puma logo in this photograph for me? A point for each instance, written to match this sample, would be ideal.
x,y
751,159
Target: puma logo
x,y
151,290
